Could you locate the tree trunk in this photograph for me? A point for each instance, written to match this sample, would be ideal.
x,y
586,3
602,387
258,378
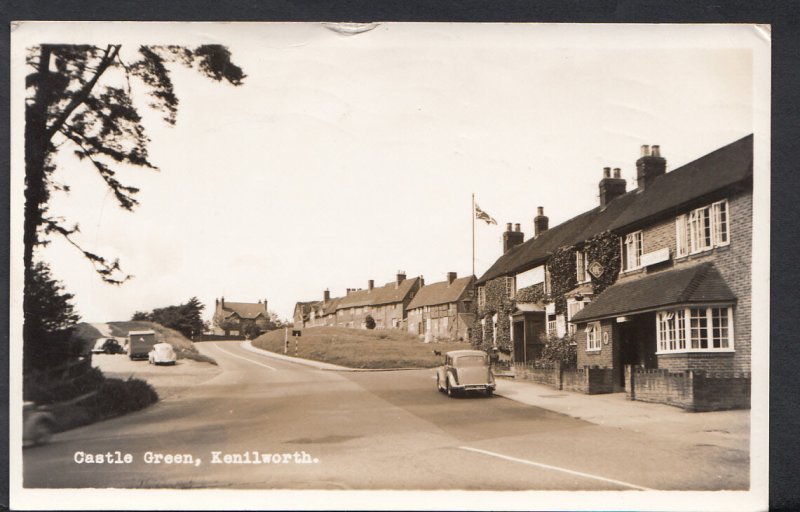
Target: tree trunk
x,y
36,146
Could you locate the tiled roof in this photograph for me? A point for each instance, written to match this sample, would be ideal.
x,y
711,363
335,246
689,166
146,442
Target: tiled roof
x,y
386,294
727,166
699,284
244,309
441,293
329,307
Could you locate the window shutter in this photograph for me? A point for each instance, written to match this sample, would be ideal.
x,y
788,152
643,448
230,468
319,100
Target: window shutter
x,y
680,236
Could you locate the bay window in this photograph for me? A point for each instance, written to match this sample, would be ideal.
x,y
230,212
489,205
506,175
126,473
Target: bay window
x,y
700,329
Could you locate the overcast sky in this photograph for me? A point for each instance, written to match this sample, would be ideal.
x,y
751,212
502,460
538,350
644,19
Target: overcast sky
x,y
348,158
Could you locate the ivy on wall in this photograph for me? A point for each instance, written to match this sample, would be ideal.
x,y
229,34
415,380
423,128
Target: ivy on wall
x,y
533,293
604,249
497,302
563,277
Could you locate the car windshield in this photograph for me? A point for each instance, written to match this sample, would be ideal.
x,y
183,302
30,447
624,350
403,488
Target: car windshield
x,y
468,361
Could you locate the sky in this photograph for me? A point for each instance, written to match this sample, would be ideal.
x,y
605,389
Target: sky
x,y
348,158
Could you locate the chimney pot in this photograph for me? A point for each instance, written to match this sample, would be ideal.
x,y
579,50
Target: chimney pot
x,y
645,150
516,227
540,210
606,172
511,238
370,284
655,150
649,167
508,226
616,172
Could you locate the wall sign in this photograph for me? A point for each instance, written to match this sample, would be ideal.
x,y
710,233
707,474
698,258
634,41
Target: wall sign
x,y
651,258
605,337
596,269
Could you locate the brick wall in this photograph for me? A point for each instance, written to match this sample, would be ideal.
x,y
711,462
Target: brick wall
x,y
589,380
604,358
549,375
733,262
692,390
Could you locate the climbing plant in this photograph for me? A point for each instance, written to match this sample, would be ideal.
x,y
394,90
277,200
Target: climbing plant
x,y
563,278
533,293
604,248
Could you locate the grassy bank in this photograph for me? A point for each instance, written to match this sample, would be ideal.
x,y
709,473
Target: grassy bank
x,y
359,348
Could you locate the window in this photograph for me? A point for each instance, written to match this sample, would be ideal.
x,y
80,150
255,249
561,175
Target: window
x,y
632,250
582,267
572,309
592,341
481,297
707,329
510,287
551,324
702,229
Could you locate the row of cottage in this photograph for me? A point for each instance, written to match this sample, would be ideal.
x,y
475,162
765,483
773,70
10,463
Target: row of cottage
x,y
438,311
653,285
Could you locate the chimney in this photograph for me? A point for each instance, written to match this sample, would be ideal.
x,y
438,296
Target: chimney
x,y
540,222
222,302
265,304
370,284
649,166
216,302
611,188
326,295
511,238
401,276
451,276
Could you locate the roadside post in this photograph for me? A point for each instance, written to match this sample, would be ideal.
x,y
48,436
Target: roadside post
x,y
285,340
296,333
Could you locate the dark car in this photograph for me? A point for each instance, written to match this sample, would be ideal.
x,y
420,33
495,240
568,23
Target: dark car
x,y
107,346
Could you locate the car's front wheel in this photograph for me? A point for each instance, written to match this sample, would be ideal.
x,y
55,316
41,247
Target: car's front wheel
x,y
450,391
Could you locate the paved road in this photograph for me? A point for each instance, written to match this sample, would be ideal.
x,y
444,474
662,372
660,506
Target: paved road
x,y
368,430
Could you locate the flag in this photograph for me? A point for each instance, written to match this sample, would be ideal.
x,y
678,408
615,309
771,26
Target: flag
x,y
482,215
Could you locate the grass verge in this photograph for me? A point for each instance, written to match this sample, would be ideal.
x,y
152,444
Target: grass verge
x,y
360,348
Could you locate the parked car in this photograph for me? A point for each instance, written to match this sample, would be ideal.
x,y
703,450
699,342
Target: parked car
x,y
38,425
107,346
162,353
463,371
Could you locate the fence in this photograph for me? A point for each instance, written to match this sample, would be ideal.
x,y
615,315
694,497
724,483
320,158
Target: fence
x,y
693,390
591,380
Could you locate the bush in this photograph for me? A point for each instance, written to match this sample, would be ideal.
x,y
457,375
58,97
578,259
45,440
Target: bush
x,y
117,396
48,387
370,322
561,349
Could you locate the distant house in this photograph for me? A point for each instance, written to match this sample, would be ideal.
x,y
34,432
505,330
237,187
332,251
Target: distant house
x,y
441,311
231,318
305,314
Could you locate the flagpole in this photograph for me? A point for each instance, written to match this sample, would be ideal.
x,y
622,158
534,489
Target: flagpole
x,y
473,233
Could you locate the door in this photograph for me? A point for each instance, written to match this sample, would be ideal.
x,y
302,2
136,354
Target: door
x,y
519,340
637,343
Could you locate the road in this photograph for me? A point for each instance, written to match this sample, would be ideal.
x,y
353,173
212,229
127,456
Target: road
x,y
367,430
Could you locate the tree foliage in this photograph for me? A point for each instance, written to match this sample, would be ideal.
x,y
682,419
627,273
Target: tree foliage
x,y
81,99
185,318
561,349
52,320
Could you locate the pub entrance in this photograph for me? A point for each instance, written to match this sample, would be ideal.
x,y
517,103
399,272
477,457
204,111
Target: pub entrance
x,y
527,329
637,335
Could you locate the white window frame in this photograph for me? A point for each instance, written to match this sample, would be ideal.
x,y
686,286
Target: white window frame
x,y
633,244
481,297
582,267
692,234
674,330
592,338
571,310
510,285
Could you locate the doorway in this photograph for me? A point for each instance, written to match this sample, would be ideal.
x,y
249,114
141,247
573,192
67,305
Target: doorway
x,y
637,343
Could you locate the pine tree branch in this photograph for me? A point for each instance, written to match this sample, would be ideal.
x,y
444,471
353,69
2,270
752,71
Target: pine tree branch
x,y
78,98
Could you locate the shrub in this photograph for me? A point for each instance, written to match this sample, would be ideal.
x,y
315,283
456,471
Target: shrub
x,y
560,349
117,396
369,322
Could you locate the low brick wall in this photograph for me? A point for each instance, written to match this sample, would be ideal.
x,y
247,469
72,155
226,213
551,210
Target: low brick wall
x,y
691,390
589,380
540,374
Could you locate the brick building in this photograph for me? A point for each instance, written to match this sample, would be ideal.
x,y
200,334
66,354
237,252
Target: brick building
x,y
443,311
656,279
231,318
